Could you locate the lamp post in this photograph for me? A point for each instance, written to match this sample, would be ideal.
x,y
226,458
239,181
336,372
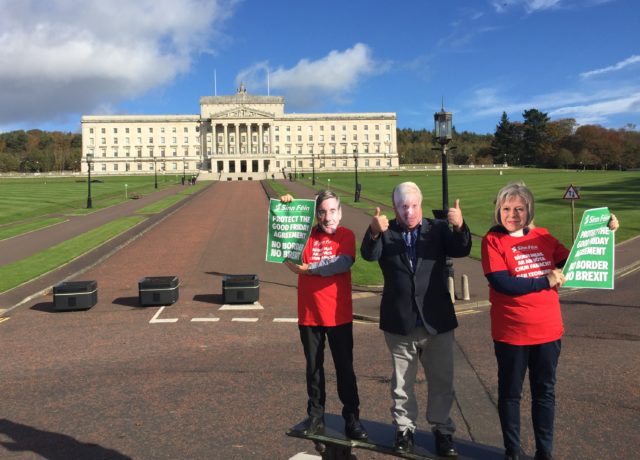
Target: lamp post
x,y
184,171
295,168
443,124
355,158
443,135
313,169
155,172
89,160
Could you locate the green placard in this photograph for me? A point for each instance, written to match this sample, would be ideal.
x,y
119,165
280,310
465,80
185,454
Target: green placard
x,y
289,229
591,261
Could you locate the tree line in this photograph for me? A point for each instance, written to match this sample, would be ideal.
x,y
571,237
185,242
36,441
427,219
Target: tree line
x,y
535,141
40,151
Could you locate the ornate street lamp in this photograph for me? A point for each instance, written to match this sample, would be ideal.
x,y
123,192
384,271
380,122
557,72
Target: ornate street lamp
x,y
313,169
355,158
443,127
295,167
89,161
443,135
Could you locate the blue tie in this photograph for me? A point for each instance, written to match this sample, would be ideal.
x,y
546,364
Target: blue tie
x,y
410,242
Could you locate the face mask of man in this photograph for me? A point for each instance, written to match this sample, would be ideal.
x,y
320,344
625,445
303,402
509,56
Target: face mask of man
x,y
409,211
329,215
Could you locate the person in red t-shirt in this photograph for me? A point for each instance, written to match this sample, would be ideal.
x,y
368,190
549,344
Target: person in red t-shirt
x,y
522,264
325,312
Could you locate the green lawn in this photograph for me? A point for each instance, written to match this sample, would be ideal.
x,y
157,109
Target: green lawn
x,y
30,204
27,198
24,203
169,201
16,273
20,228
477,191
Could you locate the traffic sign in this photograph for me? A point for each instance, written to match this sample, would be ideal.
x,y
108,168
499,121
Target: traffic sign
x,y
571,193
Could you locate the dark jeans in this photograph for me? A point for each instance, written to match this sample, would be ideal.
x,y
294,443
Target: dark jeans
x,y
341,345
513,362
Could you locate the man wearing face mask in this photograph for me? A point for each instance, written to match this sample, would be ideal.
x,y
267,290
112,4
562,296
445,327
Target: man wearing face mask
x,y
325,312
416,312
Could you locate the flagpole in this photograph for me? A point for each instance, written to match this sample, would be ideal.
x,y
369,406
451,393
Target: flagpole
x,y
215,82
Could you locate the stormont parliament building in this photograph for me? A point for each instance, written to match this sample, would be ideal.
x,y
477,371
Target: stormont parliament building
x,y
239,137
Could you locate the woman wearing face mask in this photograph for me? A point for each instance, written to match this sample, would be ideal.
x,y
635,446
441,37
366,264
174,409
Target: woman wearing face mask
x,y
523,266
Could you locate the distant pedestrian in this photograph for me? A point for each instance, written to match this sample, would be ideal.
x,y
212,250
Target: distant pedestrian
x,y
523,266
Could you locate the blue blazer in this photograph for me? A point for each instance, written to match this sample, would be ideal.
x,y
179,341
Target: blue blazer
x,y
407,291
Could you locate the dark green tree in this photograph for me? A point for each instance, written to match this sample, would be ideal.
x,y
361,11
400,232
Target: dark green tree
x,y
534,136
505,143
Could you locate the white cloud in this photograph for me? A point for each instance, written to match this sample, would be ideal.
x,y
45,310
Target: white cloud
x,y
65,56
600,109
595,107
309,82
530,6
613,68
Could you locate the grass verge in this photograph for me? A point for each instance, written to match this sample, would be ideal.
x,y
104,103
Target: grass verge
x,y
10,231
17,273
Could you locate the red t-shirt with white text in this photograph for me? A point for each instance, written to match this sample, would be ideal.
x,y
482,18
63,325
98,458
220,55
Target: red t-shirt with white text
x,y
532,318
326,300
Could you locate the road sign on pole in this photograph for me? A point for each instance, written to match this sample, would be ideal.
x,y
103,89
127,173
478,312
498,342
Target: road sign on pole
x,y
572,193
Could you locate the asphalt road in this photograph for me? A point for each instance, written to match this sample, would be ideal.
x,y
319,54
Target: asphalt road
x,y
194,380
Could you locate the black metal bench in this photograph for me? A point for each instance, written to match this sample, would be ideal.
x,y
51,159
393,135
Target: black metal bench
x,y
332,444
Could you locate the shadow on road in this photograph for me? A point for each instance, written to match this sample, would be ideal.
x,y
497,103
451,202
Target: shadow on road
x,y
50,445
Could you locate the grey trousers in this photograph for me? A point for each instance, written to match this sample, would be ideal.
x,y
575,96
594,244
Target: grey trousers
x,y
435,352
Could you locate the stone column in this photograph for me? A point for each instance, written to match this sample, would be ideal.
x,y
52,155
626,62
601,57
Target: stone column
x,y
225,142
214,140
237,139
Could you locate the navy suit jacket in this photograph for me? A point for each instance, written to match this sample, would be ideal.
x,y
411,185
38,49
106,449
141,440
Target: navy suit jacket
x,y
426,286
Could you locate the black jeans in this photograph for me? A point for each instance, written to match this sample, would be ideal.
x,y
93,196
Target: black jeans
x,y
513,361
341,345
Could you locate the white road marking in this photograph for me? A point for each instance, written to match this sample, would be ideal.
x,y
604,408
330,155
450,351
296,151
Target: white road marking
x,y
245,320
242,306
205,320
155,318
285,320
304,456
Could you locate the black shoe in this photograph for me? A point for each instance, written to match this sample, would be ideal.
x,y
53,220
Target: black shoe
x,y
354,429
404,441
312,425
444,445
542,455
511,454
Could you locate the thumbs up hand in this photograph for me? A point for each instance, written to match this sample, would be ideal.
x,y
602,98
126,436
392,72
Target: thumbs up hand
x,y
454,216
379,224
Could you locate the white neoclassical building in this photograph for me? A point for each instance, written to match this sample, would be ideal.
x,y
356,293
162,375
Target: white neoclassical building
x,y
239,137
